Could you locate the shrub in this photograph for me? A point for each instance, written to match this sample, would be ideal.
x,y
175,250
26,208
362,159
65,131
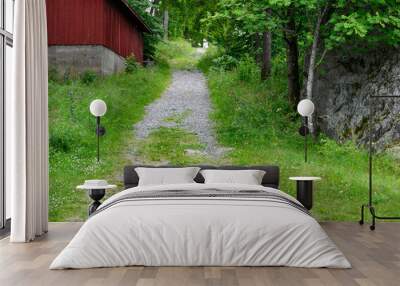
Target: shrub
x,y
206,61
131,64
61,139
225,62
161,55
88,77
247,70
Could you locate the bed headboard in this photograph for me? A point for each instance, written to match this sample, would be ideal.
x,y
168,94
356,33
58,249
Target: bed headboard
x,y
271,177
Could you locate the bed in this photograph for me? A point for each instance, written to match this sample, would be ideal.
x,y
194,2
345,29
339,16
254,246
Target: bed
x,y
198,224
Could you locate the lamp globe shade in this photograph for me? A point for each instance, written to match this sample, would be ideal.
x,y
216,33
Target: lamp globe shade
x,y
98,107
305,107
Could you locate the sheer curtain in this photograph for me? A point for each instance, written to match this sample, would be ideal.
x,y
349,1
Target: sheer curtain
x,y
27,124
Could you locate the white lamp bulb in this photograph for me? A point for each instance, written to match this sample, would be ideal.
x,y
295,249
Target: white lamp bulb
x,y
305,107
98,107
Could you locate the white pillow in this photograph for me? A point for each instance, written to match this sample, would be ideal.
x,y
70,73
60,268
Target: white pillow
x,y
166,176
248,177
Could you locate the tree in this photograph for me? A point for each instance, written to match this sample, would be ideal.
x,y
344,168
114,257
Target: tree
x,y
290,36
267,50
165,23
323,17
164,6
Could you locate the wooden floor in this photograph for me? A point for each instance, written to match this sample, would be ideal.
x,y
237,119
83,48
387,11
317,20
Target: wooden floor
x,y
375,257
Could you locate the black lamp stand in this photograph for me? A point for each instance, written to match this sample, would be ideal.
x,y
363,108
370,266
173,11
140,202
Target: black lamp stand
x,y
100,131
96,195
370,205
304,131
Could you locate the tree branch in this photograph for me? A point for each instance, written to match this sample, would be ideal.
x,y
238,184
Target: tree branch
x,y
321,59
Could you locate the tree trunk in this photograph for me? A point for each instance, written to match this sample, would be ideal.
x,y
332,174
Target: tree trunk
x,y
267,43
311,65
165,24
292,51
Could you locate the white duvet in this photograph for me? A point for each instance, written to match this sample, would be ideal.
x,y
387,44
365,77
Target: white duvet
x,y
202,232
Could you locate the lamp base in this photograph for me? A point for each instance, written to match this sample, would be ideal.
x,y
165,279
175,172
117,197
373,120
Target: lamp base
x,y
374,217
96,195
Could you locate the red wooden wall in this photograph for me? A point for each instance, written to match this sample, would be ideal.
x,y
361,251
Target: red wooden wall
x,y
121,34
94,22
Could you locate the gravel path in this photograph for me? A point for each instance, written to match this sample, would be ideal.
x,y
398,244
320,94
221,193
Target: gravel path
x,y
185,104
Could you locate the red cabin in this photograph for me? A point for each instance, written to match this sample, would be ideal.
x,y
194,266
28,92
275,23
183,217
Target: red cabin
x,y
93,35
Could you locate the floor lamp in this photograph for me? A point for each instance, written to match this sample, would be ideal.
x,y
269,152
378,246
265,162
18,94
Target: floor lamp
x,y
370,205
305,108
98,108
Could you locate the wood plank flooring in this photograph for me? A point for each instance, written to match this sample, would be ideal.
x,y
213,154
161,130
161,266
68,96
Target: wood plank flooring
x,y
375,257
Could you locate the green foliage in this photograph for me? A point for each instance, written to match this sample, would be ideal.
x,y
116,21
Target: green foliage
x,y
234,26
186,19
131,64
206,60
237,25
247,70
142,7
73,139
88,77
365,21
224,62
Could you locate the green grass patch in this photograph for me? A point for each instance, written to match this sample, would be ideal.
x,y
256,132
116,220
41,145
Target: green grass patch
x,y
169,145
179,117
178,54
253,117
73,139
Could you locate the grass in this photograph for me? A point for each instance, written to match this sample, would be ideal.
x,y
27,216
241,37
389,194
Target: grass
x,y
168,145
178,54
254,118
72,132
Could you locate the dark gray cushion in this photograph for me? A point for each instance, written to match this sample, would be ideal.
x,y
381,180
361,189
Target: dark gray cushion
x,y
270,179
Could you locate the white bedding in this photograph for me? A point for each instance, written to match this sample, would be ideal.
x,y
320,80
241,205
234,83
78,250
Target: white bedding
x,y
202,232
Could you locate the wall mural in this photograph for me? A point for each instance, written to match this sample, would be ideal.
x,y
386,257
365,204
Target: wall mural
x,y
219,82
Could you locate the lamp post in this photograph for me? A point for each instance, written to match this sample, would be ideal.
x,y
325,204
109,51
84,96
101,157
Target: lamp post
x,y
98,108
305,108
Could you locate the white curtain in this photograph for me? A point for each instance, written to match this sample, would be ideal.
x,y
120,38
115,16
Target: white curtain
x,y
27,124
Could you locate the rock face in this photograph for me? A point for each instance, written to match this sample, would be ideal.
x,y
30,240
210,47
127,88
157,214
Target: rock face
x,y
343,86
